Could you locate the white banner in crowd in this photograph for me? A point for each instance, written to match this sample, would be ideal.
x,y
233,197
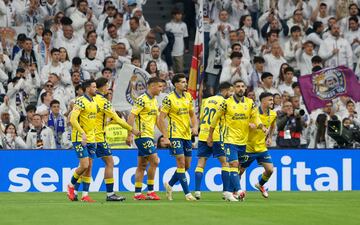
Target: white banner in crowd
x,y
129,83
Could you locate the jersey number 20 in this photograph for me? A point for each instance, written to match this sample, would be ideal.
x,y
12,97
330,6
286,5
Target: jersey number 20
x,y
208,115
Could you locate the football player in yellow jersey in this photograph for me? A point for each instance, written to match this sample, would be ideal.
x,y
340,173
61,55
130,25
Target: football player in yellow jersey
x,y
178,107
240,114
256,148
102,148
83,119
145,113
209,107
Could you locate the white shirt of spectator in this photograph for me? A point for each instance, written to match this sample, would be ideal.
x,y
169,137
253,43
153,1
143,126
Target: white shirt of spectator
x,y
71,45
100,53
303,61
79,20
286,88
60,70
180,32
46,135
228,74
343,57
7,14
93,66
273,64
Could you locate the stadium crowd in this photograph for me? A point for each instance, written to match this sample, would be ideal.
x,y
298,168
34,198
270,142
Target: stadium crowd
x,y
48,47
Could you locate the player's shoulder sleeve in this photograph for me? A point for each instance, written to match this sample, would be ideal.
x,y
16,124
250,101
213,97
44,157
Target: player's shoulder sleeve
x,y
190,99
273,116
223,105
139,105
166,103
80,103
99,100
107,103
251,103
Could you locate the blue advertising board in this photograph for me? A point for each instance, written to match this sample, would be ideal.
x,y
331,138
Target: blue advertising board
x,y
295,170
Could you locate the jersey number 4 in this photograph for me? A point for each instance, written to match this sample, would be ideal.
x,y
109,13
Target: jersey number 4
x,y
208,115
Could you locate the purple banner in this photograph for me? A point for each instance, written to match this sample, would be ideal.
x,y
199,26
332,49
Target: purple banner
x,y
322,86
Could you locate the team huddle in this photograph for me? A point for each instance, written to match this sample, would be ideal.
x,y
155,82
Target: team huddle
x,y
232,129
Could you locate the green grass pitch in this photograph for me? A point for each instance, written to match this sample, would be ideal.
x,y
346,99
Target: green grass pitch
x,y
288,208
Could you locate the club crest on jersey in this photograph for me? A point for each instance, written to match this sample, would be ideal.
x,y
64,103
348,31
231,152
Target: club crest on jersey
x,y
329,83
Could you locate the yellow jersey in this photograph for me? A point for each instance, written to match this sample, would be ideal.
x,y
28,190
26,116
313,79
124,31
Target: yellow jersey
x,y
116,136
83,119
106,111
177,108
209,107
257,138
238,115
146,111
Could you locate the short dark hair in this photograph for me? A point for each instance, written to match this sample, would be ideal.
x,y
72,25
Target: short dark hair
x,y
47,31
101,82
136,19
316,59
289,69
87,83
239,81
265,75
76,61
224,86
264,95
106,69
317,24
295,28
154,80
135,57
89,33
53,102
295,84
66,21
354,18
80,1
53,50
20,70
258,59
349,102
110,25
30,107
234,45
236,55
176,11
177,77
316,68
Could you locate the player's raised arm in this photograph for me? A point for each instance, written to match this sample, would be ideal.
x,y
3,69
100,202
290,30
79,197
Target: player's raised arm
x,y
255,118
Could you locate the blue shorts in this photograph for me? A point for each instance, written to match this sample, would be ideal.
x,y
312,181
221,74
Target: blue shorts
x,y
181,147
234,152
103,149
145,146
261,157
85,151
217,150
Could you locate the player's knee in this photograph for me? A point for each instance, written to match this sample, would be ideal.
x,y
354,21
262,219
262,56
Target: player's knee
x,y
109,163
241,170
269,171
154,163
234,164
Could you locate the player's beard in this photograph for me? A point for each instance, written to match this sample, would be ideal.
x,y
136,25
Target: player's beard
x,y
239,95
